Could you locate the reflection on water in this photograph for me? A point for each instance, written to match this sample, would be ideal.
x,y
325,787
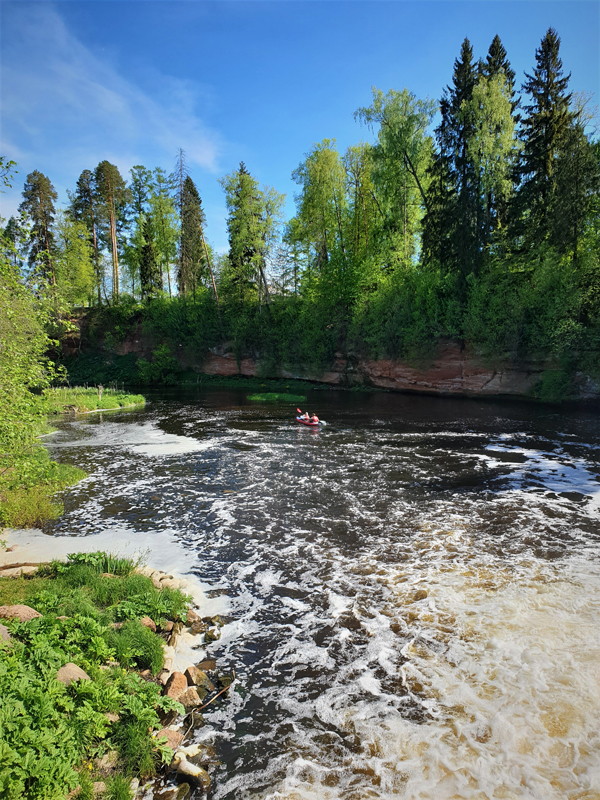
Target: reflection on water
x,y
415,588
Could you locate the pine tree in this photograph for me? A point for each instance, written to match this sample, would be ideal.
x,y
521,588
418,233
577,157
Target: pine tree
x,y
38,205
114,195
544,130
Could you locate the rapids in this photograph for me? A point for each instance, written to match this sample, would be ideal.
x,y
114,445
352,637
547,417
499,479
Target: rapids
x,y
414,590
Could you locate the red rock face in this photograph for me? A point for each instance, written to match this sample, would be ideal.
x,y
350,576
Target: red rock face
x,y
453,370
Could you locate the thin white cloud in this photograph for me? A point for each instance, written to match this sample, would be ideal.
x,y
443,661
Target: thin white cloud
x,y
61,99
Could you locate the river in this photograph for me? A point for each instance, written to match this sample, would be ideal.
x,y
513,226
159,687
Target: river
x,y
414,589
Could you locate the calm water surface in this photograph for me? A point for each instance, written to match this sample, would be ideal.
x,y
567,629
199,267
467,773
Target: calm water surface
x,y
415,588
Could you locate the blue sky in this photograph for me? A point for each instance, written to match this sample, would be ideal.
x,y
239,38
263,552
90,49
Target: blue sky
x,y
83,81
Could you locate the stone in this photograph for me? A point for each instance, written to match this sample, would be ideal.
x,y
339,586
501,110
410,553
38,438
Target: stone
x,y
171,583
196,677
184,767
148,623
107,575
98,787
189,699
168,626
192,617
176,685
212,635
420,594
146,674
112,717
163,676
70,673
5,634
208,665
20,612
174,738
198,627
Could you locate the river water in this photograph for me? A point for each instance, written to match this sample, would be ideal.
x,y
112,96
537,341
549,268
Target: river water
x,y
414,590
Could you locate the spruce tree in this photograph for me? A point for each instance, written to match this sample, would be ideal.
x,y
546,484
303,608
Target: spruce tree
x,y
192,257
85,207
38,206
544,130
150,278
452,221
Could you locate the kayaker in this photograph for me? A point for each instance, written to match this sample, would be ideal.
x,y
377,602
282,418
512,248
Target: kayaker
x,y
315,418
302,416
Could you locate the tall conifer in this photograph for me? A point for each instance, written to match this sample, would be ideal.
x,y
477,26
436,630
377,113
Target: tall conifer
x,y
38,205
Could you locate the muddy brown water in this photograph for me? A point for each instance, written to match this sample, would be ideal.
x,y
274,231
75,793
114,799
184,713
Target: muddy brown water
x,y
414,588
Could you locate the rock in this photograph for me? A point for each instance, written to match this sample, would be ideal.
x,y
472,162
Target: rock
x,y
99,787
134,785
163,676
5,634
107,575
212,635
71,672
108,763
62,618
146,674
20,612
148,623
192,617
208,665
171,583
181,792
420,594
198,753
196,719
176,685
184,767
198,627
111,717
174,738
190,698
196,677
156,582
168,626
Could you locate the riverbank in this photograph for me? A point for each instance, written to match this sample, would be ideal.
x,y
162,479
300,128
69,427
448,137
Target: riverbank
x,y
120,648
30,481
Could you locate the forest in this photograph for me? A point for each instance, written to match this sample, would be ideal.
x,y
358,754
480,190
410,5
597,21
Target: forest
x,y
484,228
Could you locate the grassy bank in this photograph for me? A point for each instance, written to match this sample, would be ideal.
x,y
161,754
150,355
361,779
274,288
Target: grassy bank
x,y
59,400
29,480
55,737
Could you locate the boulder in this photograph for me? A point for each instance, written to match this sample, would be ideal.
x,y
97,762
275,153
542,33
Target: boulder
x,y
184,767
196,677
192,617
20,612
208,665
174,738
170,582
5,634
168,626
420,594
98,787
111,717
176,685
198,627
190,699
71,672
148,623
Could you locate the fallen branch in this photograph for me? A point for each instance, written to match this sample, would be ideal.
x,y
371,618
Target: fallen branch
x,y
24,564
212,700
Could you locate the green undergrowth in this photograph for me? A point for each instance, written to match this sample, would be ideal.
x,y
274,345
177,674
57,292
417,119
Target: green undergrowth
x,y
52,735
59,399
277,397
29,483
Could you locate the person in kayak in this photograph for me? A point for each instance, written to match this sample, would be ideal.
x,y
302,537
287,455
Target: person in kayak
x,y
303,416
314,419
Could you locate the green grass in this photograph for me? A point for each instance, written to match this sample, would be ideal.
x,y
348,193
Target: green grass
x,y
277,397
28,488
59,400
51,734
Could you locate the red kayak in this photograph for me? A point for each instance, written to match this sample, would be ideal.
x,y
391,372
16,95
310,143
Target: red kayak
x,y
308,422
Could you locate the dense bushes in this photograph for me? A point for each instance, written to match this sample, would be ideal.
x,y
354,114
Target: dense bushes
x,y
49,731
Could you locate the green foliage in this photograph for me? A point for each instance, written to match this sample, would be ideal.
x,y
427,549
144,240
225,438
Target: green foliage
x,y
49,732
277,397
162,369
556,385
57,400
118,788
